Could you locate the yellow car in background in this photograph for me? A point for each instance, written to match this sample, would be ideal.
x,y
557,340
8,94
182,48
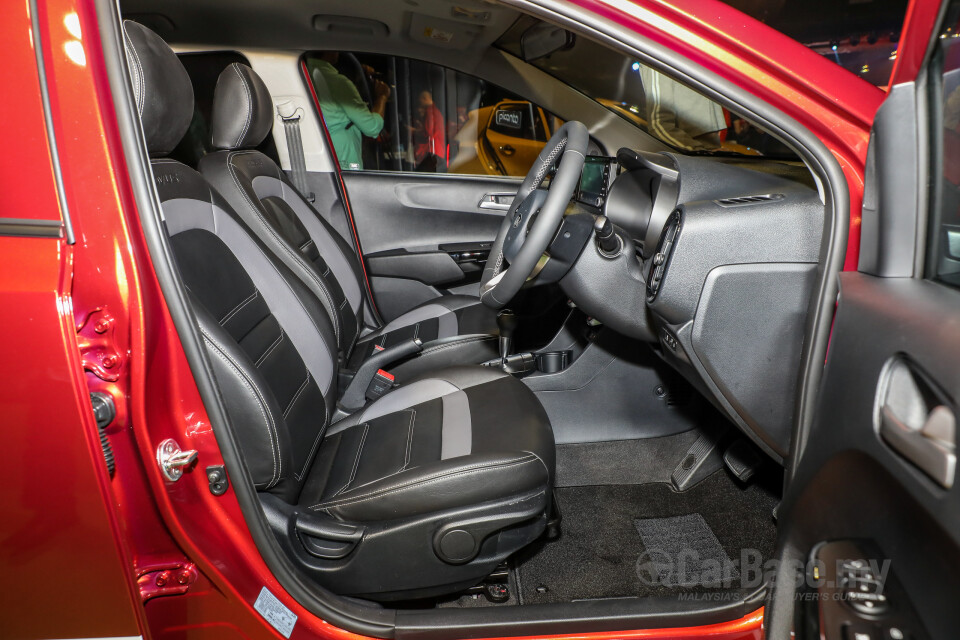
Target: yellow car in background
x,y
504,139
501,139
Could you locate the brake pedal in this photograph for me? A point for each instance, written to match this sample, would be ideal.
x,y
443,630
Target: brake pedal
x,y
742,459
701,460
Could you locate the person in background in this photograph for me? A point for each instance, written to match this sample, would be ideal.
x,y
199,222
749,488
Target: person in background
x,y
347,116
429,136
680,116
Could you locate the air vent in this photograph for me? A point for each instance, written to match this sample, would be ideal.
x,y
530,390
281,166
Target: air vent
x,y
745,200
658,268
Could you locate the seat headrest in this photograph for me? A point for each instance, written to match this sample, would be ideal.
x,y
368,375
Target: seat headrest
x,y
161,87
242,109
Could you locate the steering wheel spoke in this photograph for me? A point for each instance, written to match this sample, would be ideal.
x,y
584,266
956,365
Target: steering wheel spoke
x,y
535,217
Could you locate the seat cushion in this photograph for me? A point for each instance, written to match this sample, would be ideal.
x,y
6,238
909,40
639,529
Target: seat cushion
x,y
460,437
440,319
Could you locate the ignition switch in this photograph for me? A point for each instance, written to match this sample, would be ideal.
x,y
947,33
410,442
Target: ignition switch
x,y
608,242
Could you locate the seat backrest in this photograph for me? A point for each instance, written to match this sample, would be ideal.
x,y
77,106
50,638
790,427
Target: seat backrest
x,y
271,206
271,344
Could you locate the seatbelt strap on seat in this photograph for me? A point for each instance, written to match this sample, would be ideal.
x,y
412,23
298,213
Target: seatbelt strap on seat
x,y
290,116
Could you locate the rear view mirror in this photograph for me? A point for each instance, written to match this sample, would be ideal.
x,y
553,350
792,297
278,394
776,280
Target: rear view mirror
x,y
542,39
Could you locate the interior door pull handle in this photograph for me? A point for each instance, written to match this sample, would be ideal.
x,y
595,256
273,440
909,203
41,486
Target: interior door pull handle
x,y
508,150
932,447
497,201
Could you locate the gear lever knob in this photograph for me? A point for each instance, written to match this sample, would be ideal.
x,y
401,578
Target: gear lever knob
x,y
507,322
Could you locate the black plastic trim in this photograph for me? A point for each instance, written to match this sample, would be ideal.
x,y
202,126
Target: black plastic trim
x,y
31,228
582,616
810,148
48,121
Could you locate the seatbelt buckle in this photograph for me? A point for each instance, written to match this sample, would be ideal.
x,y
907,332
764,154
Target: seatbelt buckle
x,y
381,383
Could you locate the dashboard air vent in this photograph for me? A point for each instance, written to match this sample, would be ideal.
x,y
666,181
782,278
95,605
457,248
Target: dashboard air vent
x,y
661,258
745,200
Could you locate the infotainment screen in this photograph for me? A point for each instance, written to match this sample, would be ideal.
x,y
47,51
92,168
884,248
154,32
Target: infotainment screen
x,y
594,180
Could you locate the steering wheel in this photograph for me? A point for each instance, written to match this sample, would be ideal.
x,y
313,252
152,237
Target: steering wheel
x,y
534,217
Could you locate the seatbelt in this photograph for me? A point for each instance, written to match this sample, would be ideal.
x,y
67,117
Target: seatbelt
x,y
290,115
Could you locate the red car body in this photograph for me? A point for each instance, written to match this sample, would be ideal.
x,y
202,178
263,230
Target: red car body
x,y
85,554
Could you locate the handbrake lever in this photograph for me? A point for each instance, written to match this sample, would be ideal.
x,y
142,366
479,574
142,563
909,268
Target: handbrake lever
x,y
355,395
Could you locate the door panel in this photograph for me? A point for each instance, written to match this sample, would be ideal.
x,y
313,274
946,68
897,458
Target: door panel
x,y
874,480
423,234
851,483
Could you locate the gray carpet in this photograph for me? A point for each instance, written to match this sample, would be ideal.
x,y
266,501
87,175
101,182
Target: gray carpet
x,y
621,461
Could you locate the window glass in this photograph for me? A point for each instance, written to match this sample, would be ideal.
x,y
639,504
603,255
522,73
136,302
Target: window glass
x,y
859,36
944,252
666,109
387,113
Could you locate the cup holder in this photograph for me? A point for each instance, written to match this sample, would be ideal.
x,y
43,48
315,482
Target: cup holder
x,y
553,361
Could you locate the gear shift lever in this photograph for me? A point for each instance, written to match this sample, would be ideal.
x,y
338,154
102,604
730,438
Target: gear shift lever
x,y
507,323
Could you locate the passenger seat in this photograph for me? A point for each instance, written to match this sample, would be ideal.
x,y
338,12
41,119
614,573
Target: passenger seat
x,y
421,492
455,329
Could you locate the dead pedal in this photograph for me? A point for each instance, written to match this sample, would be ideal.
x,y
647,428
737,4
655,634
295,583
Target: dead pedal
x,y
701,460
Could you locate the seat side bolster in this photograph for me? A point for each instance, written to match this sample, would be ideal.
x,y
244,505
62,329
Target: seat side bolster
x,y
251,406
457,482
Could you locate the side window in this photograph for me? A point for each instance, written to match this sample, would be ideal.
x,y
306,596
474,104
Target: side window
x,y
387,113
943,255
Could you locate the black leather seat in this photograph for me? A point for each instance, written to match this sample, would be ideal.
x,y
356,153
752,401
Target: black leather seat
x,y
455,329
423,491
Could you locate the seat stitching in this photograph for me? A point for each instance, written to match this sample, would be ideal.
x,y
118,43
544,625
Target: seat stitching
x,y
246,90
225,319
297,395
271,348
410,428
138,71
261,405
283,245
443,476
356,461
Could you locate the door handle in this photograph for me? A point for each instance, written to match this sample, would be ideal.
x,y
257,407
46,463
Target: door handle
x,y
497,201
507,150
932,447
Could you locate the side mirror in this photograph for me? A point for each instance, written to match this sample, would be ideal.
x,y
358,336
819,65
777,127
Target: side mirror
x,y
542,39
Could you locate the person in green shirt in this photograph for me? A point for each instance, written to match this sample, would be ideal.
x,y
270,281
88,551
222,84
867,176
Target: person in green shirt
x,y
347,116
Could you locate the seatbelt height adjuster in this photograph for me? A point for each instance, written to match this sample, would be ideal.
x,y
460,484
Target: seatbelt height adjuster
x,y
381,383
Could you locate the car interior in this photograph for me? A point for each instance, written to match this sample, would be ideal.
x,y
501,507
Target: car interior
x,y
503,369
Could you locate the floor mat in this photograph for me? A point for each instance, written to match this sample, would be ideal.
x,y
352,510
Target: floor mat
x,y
600,552
682,551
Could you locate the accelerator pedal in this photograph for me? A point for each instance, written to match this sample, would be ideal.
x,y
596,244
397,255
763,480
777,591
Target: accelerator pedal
x,y
742,459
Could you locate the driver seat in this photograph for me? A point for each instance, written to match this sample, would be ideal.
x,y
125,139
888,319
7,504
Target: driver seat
x,y
455,329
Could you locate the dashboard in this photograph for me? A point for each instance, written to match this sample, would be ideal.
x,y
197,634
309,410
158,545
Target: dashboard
x,y
719,263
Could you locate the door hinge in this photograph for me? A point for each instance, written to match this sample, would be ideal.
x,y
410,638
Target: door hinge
x,y
166,578
98,348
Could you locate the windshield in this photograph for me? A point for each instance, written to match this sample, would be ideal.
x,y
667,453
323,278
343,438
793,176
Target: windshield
x,y
664,108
